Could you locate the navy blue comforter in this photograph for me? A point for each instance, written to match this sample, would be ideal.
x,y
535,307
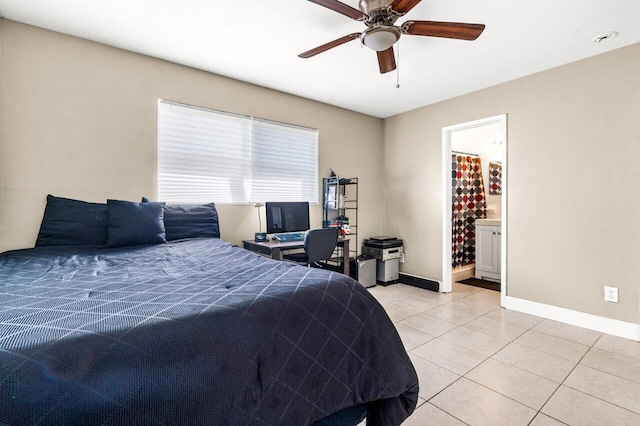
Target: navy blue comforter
x,y
192,332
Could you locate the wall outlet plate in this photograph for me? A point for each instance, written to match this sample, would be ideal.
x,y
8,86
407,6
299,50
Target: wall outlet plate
x,y
610,294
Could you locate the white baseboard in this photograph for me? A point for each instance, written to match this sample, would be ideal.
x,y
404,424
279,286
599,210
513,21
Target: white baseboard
x,y
614,327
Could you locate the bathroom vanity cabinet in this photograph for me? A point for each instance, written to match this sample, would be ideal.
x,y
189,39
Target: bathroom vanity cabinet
x,y
488,250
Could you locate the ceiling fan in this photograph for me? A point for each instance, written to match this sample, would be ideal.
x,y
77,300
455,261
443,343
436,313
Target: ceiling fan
x,y
381,34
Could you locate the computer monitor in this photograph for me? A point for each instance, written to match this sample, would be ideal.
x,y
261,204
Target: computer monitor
x,y
287,217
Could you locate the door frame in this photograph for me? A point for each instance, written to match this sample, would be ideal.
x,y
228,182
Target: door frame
x,y
447,133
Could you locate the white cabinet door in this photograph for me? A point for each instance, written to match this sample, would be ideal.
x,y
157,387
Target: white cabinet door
x,y
499,245
488,252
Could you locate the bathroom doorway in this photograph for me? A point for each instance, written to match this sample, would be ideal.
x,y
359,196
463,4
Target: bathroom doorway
x,y
478,147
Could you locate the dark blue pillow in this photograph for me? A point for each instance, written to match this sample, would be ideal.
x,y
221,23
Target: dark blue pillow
x,y
68,222
190,221
133,224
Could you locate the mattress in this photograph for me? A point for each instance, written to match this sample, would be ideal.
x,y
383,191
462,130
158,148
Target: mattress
x,y
191,332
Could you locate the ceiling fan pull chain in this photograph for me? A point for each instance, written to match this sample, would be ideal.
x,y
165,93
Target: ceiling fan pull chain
x,y
398,67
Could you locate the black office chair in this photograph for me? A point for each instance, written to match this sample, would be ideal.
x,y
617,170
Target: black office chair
x,y
318,245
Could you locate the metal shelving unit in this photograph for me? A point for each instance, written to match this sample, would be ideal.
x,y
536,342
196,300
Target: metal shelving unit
x,y
340,210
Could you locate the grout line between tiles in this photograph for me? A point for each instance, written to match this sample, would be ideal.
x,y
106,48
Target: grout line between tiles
x,y
577,390
608,372
510,341
442,409
564,338
594,396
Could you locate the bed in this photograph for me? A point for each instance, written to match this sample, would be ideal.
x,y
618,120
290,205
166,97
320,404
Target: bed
x,y
192,331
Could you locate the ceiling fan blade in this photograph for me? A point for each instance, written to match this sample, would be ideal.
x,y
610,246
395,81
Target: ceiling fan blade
x,y
386,60
339,7
403,6
330,45
455,30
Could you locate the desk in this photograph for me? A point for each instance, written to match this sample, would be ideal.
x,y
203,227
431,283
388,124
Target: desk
x,y
276,248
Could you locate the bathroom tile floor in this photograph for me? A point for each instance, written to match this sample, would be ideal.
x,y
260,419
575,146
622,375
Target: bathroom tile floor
x,y
479,364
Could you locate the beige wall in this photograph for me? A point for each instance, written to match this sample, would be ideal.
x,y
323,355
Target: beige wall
x,y
573,207
78,119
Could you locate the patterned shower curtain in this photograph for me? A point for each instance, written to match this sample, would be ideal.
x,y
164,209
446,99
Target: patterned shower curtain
x,y
468,204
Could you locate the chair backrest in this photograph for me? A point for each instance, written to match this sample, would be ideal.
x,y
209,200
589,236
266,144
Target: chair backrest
x,y
319,243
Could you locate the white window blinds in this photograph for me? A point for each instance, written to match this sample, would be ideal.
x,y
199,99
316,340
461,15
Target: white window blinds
x,y
206,155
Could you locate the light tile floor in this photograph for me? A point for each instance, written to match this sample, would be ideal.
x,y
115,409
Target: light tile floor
x,y
479,364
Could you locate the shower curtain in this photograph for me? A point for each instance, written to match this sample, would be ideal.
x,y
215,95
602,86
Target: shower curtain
x,y
468,204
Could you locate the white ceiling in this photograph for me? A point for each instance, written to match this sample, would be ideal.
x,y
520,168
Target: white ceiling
x,y
258,41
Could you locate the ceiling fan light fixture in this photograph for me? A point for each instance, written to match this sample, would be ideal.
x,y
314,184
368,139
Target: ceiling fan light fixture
x,y
380,38
381,34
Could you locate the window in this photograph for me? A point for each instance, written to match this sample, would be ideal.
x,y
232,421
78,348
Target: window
x,y
206,155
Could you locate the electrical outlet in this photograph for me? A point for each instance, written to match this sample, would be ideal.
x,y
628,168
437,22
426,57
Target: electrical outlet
x,y
611,294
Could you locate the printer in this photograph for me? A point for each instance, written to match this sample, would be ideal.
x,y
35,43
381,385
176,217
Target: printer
x,y
387,251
